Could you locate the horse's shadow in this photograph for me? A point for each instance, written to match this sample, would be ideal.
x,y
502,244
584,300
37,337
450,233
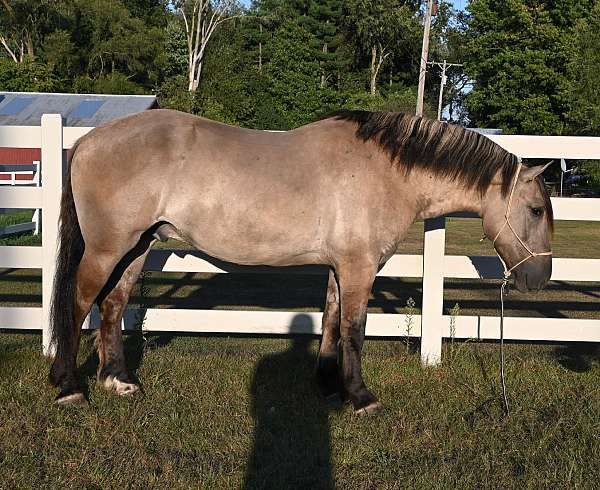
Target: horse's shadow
x,y
579,357
291,445
291,442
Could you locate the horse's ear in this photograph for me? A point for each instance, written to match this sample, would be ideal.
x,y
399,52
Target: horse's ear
x,y
530,173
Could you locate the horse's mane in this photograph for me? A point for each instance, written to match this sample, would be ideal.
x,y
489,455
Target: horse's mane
x,y
445,149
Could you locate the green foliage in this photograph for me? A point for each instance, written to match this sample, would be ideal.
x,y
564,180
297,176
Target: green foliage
x,y
294,76
584,71
374,22
114,83
380,32
119,42
176,54
533,64
402,99
592,170
516,56
29,76
60,53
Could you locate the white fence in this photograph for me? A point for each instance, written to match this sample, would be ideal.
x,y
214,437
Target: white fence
x,y
433,266
13,172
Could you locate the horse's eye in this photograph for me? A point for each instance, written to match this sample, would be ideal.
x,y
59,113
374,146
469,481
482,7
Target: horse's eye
x,y
537,211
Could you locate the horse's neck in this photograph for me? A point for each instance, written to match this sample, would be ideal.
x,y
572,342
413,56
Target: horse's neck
x,y
438,196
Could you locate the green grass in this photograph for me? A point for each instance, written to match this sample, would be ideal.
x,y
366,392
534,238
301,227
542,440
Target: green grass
x,y
245,413
27,238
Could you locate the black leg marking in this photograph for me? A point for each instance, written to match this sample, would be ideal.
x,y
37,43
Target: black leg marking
x,y
356,391
328,376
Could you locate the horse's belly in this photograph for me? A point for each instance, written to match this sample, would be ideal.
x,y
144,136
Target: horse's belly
x,y
250,242
250,253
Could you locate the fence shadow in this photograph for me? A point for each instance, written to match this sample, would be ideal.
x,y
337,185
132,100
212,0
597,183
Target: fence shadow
x,y
291,446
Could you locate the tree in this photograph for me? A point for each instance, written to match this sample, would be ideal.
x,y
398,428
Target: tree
x,y
60,52
323,18
584,72
21,26
293,75
376,27
449,39
201,19
29,76
517,53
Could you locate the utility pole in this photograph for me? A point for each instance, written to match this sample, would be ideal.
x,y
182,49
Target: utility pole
x,y
424,54
443,66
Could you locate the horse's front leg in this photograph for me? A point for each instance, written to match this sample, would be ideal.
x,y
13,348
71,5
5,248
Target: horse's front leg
x,y
327,364
355,283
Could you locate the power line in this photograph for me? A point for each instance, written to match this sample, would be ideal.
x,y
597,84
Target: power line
x,y
443,66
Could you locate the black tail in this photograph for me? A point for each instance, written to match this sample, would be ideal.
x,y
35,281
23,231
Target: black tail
x,y
62,309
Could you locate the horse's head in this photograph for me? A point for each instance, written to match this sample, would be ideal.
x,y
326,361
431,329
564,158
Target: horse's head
x,y
520,224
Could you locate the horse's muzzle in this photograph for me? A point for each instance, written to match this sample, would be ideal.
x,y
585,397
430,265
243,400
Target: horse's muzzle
x,y
534,274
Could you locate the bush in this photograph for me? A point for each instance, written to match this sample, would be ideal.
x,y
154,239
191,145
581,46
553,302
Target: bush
x,y
29,76
402,100
592,170
115,83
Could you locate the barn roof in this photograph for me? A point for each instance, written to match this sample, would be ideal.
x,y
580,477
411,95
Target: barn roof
x,y
26,108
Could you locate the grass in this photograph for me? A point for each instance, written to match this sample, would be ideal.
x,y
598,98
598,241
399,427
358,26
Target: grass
x,y
21,238
246,413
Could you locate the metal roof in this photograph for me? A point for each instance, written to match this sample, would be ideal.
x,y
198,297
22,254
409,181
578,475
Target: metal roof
x,y
26,108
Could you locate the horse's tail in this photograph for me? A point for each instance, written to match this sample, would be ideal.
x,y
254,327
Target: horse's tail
x,y
62,307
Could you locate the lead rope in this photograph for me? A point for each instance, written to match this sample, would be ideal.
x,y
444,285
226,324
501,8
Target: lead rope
x,y
507,274
503,291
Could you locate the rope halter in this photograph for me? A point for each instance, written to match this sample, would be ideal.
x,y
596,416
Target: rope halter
x,y
507,272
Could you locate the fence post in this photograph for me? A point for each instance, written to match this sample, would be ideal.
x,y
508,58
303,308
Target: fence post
x,y
52,176
433,291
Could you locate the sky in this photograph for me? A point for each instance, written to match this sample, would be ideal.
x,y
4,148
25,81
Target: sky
x,y
459,4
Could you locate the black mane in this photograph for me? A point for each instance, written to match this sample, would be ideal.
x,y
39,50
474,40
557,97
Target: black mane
x,y
447,150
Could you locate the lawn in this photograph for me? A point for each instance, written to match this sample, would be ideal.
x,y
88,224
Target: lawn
x,y
220,412
23,216
245,413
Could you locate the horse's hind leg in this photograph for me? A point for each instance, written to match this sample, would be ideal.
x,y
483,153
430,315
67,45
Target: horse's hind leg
x,y
355,282
92,273
112,371
327,363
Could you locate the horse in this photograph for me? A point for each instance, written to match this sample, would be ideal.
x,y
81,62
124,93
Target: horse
x,y
341,192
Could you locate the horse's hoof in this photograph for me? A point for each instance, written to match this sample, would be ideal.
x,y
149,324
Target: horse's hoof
x,y
373,408
121,388
74,399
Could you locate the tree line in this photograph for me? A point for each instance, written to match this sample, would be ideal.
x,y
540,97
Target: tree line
x,y
529,66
